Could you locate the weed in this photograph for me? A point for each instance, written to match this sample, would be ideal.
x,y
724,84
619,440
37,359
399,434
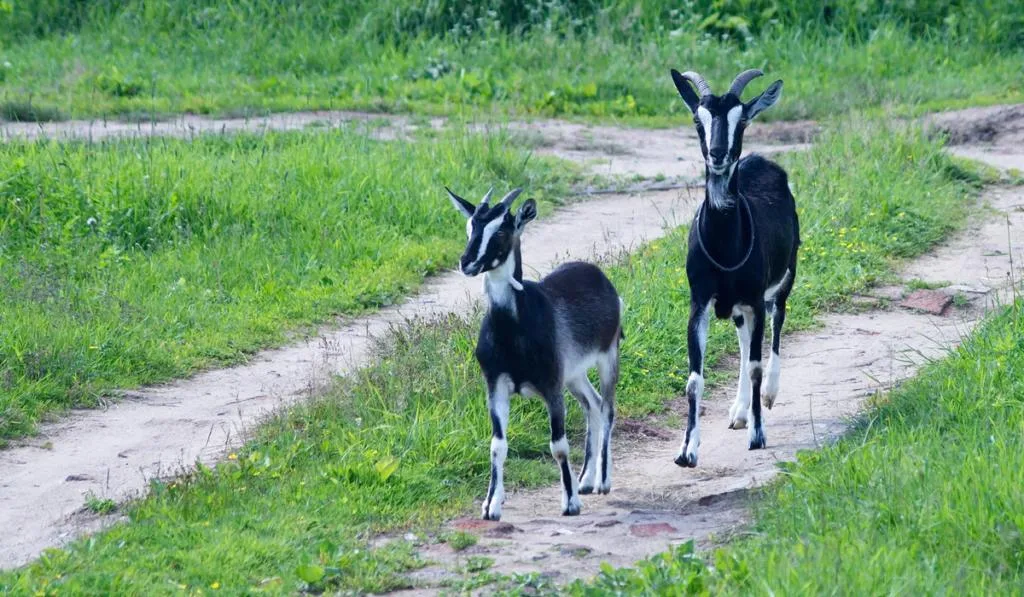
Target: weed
x,y
98,505
26,111
478,564
459,540
919,284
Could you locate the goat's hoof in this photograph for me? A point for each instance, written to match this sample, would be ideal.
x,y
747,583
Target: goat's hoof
x,y
604,489
586,489
757,441
768,400
687,460
738,424
490,516
573,507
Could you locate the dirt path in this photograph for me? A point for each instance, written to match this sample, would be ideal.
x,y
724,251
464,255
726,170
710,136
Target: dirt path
x,y
156,431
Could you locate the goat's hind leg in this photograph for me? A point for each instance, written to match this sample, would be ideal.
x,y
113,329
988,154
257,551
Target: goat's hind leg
x,y
771,387
591,403
757,438
498,393
560,452
608,371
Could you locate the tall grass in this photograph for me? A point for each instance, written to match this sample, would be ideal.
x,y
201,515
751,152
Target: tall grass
x,y
587,58
404,443
131,262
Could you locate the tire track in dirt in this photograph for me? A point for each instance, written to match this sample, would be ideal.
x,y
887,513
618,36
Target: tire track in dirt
x,y
158,431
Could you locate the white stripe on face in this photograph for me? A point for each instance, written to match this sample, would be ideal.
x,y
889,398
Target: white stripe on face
x,y
733,118
488,232
705,119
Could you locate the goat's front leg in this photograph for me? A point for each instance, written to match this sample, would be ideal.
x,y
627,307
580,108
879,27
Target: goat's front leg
x,y
757,439
740,410
498,393
696,340
560,452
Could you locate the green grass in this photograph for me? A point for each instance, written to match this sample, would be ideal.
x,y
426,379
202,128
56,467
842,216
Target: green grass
x,y
589,59
922,498
403,444
132,262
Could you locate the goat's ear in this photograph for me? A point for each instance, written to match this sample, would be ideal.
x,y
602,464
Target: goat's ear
x,y
686,91
765,100
465,207
527,211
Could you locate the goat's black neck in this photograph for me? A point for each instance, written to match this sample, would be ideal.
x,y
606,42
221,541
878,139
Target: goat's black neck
x,y
723,226
502,282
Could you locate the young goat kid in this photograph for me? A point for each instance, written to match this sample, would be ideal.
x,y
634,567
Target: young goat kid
x,y
539,337
742,253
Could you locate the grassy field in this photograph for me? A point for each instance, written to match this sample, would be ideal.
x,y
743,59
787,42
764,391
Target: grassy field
x,y
595,59
132,262
404,443
922,498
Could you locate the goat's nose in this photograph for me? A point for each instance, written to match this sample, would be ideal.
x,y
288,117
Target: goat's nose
x,y
717,154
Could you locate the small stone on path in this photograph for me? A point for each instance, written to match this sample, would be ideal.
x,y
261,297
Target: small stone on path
x,y
929,301
651,529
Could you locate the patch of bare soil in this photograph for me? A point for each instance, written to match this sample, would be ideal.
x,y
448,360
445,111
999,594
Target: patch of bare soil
x,y
996,125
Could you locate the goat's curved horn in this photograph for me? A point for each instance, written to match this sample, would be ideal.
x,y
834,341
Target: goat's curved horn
x,y
487,196
742,79
508,199
702,86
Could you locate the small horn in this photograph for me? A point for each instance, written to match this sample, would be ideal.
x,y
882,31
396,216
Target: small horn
x,y
702,86
487,197
508,199
742,79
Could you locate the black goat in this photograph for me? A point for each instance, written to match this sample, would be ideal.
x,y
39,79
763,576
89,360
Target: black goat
x,y
538,338
742,251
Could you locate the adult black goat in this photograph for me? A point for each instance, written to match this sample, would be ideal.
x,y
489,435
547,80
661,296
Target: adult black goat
x,y
742,251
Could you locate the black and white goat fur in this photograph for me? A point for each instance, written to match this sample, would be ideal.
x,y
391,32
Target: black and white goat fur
x,y
538,338
742,252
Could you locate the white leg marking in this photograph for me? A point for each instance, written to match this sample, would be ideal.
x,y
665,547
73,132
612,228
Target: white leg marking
x,y
595,431
756,430
570,502
499,450
604,463
771,386
739,413
498,401
694,387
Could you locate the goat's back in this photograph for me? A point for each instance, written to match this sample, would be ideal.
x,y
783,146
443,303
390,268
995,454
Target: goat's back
x,y
586,305
765,185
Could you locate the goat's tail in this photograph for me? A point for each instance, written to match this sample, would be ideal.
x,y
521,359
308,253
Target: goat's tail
x,y
622,311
